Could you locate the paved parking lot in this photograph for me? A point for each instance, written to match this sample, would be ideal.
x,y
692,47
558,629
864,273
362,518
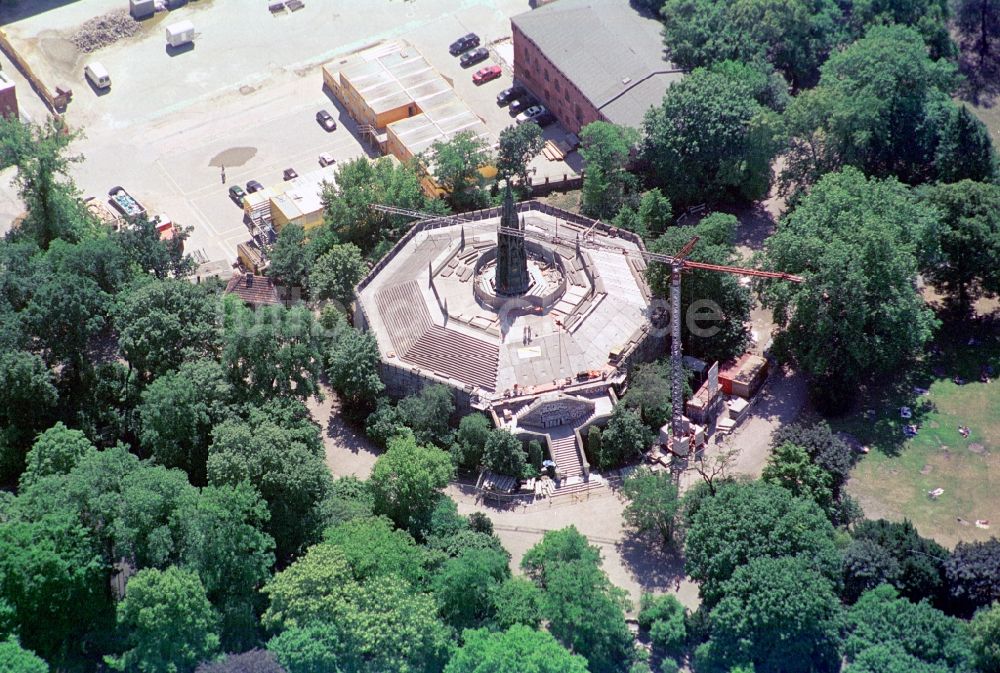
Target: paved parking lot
x,y
251,81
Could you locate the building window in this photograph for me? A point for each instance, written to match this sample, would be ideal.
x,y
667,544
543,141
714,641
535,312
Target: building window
x,y
558,88
546,73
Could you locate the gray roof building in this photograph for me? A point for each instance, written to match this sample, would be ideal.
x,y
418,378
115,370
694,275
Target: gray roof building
x,y
613,55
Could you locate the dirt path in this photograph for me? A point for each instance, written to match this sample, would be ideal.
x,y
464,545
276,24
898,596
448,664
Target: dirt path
x,y
347,451
636,565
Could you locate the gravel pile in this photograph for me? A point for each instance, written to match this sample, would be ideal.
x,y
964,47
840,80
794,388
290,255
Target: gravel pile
x,y
104,30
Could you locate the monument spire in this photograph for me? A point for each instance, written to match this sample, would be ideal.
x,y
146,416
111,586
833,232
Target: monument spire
x,y
512,257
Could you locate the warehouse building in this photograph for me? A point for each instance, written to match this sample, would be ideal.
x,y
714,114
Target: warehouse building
x,y
592,60
403,103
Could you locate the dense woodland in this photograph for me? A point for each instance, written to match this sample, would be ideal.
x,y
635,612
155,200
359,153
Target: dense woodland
x,y
167,507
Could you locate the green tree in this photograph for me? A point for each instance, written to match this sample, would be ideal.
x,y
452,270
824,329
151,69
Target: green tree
x,y
964,149
470,440
168,622
149,521
100,259
978,24
52,582
14,659
464,587
607,184
273,351
710,139
867,564
625,438
881,617
348,498
586,613
290,259
969,234
655,211
427,413
178,412
352,365
520,648
406,481
716,330
795,37
519,145
742,522
381,625
777,614
857,242
373,548
664,617
653,504
516,601
335,273
147,253
225,544
455,164
824,447
43,181
285,464
973,574
56,451
64,314
928,17
504,454
985,638
890,659
161,324
790,467
360,183
312,649
649,393
920,560
558,547
28,399
874,109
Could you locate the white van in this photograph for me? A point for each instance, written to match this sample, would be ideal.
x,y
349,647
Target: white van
x,y
97,74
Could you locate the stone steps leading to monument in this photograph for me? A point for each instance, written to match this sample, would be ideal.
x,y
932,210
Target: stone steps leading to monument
x,y
576,488
405,314
564,453
457,356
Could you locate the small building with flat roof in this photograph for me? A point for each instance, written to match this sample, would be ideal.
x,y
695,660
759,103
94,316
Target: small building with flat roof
x,y
592,60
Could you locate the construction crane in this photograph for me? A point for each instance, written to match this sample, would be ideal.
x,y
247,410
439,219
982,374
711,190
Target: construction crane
x,y
677,263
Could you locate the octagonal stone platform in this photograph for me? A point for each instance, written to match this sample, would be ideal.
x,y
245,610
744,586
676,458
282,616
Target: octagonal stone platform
x,y
584,317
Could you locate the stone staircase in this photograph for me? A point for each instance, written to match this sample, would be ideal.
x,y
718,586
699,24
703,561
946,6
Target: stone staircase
x,y
564,453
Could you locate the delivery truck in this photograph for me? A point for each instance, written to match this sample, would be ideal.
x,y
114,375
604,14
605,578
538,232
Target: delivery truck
x,y
180,33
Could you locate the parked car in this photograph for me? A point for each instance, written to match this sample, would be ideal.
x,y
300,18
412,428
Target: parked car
x,y
325,159
531,114
510,94
486,74
237,194
289,174
463,43
254,186
522,104
473,57
326,120
545,119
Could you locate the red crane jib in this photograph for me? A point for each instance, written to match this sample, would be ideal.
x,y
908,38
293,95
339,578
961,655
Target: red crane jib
x,y
739,271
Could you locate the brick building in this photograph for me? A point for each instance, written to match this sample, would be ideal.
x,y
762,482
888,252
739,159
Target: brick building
x,y
8,97
592,60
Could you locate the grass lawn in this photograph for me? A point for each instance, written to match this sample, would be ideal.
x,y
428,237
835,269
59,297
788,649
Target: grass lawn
x,y
892,480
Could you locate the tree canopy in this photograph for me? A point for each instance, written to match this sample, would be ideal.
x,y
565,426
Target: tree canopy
x,y
858,243
711,138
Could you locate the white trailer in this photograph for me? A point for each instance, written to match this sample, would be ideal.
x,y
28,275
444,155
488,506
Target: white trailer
x,y
180,33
